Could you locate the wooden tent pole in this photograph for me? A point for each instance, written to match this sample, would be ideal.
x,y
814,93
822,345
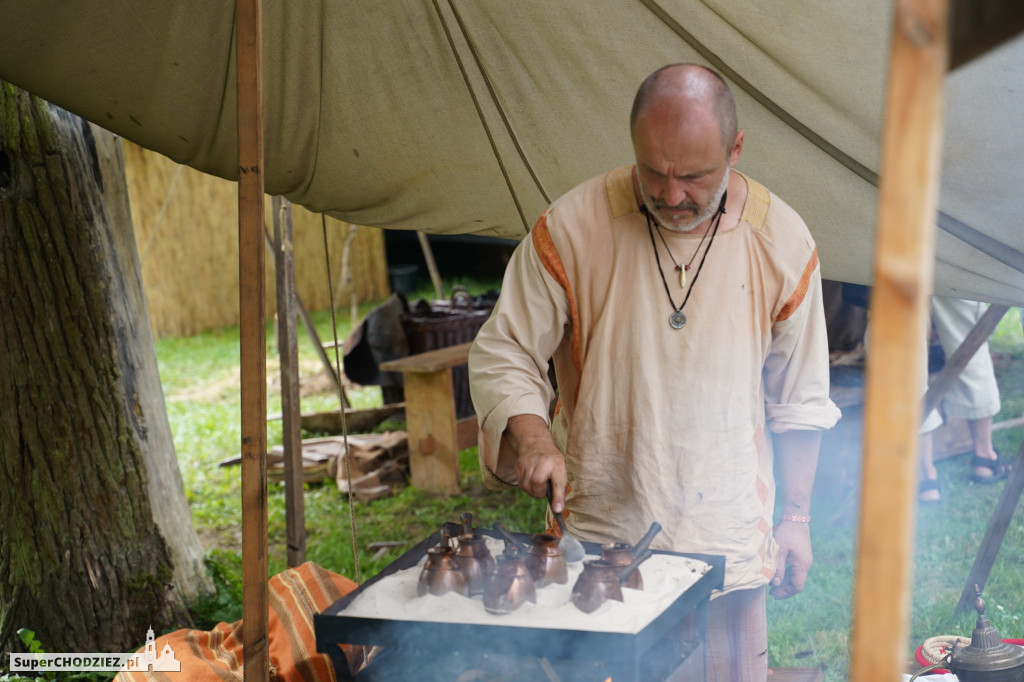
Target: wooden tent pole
x,y
253,341
428,256
288,351
904,262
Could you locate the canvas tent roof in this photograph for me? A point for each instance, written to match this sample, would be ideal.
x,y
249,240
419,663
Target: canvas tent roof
x,y
459,116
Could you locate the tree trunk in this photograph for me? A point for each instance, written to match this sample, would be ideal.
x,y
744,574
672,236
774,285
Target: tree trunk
x,y
96,537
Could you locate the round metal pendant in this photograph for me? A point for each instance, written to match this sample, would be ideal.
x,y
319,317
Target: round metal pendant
x,y
677,320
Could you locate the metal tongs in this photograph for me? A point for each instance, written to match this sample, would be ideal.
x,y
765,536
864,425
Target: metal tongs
x,y
572,549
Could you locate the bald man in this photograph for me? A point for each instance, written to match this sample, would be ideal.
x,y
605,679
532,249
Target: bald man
x,y
680,302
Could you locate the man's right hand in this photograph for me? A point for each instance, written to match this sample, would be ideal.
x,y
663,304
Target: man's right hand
x,y
538,460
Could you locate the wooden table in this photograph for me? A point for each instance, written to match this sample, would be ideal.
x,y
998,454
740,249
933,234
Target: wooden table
x,y
435,435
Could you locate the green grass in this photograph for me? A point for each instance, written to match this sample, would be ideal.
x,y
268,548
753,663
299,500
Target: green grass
x,y
200,378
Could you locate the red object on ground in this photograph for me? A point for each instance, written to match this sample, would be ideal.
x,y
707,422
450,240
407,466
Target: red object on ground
x,y
939,671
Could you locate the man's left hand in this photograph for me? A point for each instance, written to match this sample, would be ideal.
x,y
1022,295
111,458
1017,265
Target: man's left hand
x,y
795,559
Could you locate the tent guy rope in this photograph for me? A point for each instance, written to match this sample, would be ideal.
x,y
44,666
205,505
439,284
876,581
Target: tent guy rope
x,y
343,401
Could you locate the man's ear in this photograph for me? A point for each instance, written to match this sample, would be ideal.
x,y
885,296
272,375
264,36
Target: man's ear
x,y
737,149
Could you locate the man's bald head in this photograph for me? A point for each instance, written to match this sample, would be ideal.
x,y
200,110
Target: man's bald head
x,y
690,87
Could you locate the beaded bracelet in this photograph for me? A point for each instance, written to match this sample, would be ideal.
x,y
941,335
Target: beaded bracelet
x,y
796,517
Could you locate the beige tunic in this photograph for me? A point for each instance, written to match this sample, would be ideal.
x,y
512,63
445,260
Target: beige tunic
x,y
659,424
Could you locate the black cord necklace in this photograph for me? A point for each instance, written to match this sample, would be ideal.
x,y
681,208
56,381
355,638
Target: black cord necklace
x,y
681,269
677,320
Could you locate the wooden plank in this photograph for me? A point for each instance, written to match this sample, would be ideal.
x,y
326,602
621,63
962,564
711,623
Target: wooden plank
x,y
430,361
358,420
430,425
795,674
253,341
1008,424
288,351
904,261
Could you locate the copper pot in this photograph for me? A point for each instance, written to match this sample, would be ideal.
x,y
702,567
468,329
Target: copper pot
x,y
987,658
475,560
545,561
510,540
620,554
467,523
601,581
510,584
441,573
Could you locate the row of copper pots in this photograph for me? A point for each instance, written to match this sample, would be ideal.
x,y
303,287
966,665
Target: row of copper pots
x,y
512,579
505,582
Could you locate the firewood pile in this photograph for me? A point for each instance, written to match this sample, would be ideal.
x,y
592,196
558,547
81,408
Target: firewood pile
x,y
378,463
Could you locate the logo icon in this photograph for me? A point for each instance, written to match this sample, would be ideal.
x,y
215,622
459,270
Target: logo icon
x,y
147,659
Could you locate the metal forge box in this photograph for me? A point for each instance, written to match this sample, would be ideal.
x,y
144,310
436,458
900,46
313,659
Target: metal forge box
x,y
425,639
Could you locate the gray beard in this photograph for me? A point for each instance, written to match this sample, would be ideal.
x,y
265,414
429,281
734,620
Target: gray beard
x,y
705,213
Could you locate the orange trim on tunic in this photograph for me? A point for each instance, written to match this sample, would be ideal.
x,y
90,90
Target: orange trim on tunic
x,y
801,288
762,489
549,257
760,485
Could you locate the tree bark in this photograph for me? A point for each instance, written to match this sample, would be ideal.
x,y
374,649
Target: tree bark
x,y
96,536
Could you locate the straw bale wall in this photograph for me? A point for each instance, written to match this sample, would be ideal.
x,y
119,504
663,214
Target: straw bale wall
x,y
186,230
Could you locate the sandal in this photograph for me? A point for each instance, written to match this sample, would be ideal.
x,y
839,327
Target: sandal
x,y
927,485
1000,467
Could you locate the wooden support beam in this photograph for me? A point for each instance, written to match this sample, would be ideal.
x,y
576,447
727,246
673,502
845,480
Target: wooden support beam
x,y
994,533
433,431
307,322
904,261
291,414
253,338
998,524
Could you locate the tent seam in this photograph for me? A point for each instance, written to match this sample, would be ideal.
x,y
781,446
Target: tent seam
x,y
497,104
480,115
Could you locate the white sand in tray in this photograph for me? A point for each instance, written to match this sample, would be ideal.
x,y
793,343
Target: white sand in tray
x,y
665,576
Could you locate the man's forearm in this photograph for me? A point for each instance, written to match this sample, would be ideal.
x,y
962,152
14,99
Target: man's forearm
x,y
796,460
526,431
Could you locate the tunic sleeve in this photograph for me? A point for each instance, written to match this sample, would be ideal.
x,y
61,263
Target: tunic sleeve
x,y
796,377
508,361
